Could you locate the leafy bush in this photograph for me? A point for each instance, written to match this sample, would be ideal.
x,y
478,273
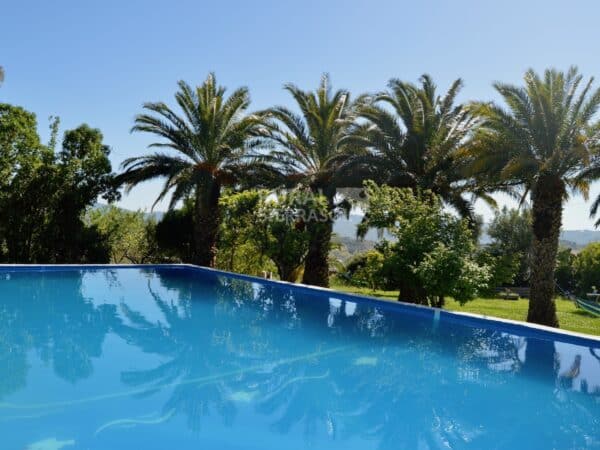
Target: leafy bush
x,y
366,270
587,268
175,233
565,269
511,235
265,233
237,249
130,235
44,193
433,255
503,268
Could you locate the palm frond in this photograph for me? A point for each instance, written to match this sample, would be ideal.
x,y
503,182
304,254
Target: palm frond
x,y
209,134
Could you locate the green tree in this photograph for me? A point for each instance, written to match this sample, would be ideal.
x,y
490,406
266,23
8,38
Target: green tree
x,y
587,268
44,194
433,254
309,149
503,268
175,233
511,235
565,269
130,235
262,232
543,143
83,173
413,138
282,231
20,145
239,250
208,143
366,269
22,157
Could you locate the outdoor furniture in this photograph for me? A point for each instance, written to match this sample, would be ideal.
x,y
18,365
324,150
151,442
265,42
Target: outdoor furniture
x,y
508,295
589,306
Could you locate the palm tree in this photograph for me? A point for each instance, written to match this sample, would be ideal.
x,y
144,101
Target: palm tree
x,y
308,150
593,173
411,137
1,74
542,143
209,143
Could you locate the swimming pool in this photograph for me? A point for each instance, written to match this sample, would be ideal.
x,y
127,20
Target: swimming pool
x,y
178,357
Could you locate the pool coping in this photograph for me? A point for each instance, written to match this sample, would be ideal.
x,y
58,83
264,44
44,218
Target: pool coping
x,y
465,318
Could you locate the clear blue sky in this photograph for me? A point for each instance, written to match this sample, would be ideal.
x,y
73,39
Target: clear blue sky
x,y
97,62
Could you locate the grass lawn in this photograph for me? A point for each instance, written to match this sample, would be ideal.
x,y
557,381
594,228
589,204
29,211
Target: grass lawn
x,y
570,317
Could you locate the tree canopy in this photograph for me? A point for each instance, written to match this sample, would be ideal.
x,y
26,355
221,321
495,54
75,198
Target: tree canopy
x,y
206,150
543,142
433,254
43,193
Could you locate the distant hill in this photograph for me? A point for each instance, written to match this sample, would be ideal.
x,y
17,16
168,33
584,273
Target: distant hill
x,y
156,215
346,228
580,237
574,239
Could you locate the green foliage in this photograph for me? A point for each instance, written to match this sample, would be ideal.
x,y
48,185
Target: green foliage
x,y
565,274
503,268
433,254
25,186
308,150
261,233
450,270
174,233
43,194
587,268
544,143
511,235
548,129
207,142
408,137
20,146
412,137
239,250
366,270
282,232
83,173
130,235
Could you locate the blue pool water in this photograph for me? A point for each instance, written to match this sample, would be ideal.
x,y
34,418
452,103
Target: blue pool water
x,y
182,358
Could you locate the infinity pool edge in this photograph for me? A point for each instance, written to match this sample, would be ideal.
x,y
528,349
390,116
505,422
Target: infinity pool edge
x,y
463,318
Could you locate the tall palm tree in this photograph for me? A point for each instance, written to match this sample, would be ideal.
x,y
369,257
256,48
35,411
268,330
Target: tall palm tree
x,y
1,74
306,149
593,173
543,143
208,150
411,137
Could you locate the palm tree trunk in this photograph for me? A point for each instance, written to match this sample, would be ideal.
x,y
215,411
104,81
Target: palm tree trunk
x,y
547,197
316,265
206,223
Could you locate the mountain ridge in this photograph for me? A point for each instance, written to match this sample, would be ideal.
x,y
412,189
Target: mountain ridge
x,y
346,228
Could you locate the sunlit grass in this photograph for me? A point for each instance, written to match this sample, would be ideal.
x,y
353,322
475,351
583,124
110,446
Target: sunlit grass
x,y
570,317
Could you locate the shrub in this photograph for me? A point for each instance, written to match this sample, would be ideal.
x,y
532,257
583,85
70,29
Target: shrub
x,y
433,254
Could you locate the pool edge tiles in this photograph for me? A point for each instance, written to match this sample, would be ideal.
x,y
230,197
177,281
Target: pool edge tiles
x,y
463,318
460,318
